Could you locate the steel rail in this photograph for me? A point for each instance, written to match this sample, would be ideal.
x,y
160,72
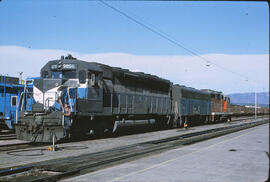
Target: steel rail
x,y
54,170
17,146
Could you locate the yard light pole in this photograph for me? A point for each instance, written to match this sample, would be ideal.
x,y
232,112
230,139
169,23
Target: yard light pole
x,y
255,100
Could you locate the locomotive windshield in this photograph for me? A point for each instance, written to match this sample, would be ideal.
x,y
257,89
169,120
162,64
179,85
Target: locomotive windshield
x,y
57,74
60,70
63,74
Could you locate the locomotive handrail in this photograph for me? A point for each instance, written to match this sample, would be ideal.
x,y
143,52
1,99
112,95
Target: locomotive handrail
x,y
18,105
69,99
119,103
48,100
112,102
44,101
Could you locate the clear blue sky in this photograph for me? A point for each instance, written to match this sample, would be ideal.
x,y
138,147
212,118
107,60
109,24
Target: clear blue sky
x,y
90,27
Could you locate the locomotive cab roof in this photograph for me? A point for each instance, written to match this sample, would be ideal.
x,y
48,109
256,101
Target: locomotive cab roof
x,y
70,63
190,92
211,91
216,94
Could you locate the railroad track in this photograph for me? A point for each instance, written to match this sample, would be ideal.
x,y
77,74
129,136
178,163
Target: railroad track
x,y
7,136
248,117
54,170
17,146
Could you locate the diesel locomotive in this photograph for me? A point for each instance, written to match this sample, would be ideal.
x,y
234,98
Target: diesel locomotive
x,y
101,99
11,89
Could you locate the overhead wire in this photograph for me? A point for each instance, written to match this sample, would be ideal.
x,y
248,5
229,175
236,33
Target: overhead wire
x,y
169,38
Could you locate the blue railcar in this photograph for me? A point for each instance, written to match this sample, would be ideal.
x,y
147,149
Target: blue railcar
x,y
11,89
190,105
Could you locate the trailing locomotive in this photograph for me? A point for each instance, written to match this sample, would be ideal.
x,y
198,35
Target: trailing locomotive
x,y
11,90
220,106
190,105
100,99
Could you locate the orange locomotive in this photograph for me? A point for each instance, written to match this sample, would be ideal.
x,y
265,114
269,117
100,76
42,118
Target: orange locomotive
x,y
220,106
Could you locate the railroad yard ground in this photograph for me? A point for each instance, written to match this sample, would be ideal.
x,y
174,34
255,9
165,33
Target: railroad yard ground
x,y
37,154
239,156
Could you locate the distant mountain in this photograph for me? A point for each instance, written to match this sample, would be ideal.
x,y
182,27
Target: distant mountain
x,y
249,98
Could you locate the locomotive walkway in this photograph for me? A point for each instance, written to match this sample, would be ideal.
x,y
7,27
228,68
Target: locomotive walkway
x,y
75,157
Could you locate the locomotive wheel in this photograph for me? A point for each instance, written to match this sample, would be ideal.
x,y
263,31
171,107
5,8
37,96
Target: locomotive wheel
x,y
77,135
109,128
99,129
78,132
180,123
206,119
103,128
175,123
160,123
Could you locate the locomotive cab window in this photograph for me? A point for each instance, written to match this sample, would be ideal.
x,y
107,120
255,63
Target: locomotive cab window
x,y
82,76
56,74
94,78
13,101
69,74
45,74
1,89
28,82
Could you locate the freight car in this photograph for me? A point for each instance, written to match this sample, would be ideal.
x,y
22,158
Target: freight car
x,y
10,93
101,99
239,110
264,110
